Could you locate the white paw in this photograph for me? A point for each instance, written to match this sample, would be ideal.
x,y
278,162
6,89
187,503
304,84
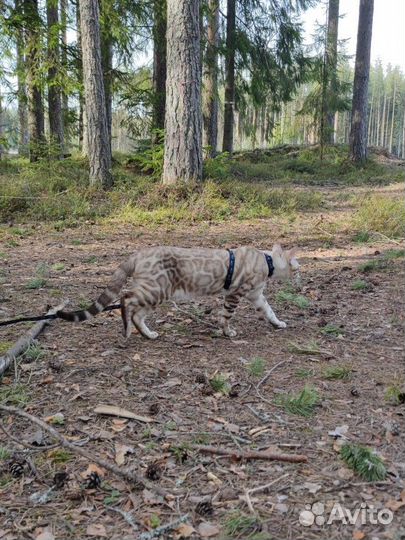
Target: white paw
x,y
280,324
153,335
230,332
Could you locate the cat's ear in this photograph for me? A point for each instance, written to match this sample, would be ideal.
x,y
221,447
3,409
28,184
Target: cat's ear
x,y
291,253
277,249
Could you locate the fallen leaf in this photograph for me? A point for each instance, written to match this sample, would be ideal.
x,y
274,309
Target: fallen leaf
x,y
112,410
45,535
395,505
211,476
183,531
344,473
121,450
151,498
96,529
173,382
207,529
92,468
311,487
358,535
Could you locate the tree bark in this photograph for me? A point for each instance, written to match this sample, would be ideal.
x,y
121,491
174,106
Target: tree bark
x,y
211,79
54,98
106,63
79,68
23,136
393,116
183,119
331,60
227,143
358,133
34,93
64,62
159,65
98,144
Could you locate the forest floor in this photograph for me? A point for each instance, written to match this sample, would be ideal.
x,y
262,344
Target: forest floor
x,y
344,343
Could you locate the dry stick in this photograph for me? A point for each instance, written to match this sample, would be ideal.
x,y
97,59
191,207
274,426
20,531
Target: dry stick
x,y
123,473
265,379
25,340
249,492
251,454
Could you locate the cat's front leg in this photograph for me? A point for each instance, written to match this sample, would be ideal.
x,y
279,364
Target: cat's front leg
x,y
230,304
261,304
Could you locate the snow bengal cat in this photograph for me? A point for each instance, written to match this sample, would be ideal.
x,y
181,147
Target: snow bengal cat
x,y
165,273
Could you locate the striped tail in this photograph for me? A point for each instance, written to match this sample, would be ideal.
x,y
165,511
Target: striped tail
x,y
109,294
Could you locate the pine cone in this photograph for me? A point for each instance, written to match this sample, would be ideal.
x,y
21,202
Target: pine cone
x,y
153,471
60,479
16,468
154,409
93,481
204,508
201,378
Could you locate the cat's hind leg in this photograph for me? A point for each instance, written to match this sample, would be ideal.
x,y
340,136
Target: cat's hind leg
x,y
134,315
230,304
261,304
138,318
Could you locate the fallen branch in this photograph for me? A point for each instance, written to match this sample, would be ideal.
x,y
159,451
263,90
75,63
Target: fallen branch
x,y
112,410
123,473
250,454
25,340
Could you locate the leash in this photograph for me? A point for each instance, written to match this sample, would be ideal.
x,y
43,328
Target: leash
x,y
47,317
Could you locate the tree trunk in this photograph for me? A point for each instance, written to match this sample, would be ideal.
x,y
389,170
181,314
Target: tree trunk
x,y
358,133
331,59
159,65
183,119
393,116
54,97
23,136
98,143
106,63
211,79
33,65
79,67
64,61
227,144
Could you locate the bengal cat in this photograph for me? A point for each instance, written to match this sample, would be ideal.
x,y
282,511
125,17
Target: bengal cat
x,y
165,273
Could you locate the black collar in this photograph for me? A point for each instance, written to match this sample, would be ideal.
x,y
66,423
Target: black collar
x,y
231,267
269,261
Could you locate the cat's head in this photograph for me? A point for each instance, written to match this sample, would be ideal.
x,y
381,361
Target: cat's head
x,y
285,264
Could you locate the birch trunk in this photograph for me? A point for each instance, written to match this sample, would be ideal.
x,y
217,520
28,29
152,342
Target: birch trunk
x,y
331,59
393,116
99,149
183,119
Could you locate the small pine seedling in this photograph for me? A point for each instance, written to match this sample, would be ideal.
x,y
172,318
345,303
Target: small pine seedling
x,y
302,404
36,283
337,372
291,298
256,367
360,285
332,330
364,462
311,347
239,525
220,384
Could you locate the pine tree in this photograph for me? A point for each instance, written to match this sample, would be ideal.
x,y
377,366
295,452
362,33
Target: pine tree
x,y
358,133
99,147
210,91
183,120
230,50
159,65
54,97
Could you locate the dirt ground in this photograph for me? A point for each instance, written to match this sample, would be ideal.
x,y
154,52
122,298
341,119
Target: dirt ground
x,y
85,365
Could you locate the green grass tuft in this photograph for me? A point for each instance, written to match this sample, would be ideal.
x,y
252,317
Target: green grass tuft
x,y
364,462
219,383
291,298
360,285
36,283
304,373
257,367
395,395
337,372
302,404
239,525
381,214
14,394
4,453
332,330
34,352
311,347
